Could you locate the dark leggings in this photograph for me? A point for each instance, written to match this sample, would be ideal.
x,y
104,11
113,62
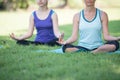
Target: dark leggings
x,y
50,43
116,43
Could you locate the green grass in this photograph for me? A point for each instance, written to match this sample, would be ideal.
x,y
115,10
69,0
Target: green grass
x,y
23,63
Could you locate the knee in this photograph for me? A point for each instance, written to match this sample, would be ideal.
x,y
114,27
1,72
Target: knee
x,y
114,43
107,47
65,47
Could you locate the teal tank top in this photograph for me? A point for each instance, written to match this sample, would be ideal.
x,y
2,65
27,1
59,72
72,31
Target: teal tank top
x,y
90,31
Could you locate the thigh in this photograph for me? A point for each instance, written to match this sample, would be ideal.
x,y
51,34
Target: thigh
x,y
23,42
109,46
27,42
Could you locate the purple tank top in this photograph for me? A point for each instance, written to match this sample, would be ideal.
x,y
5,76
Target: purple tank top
x,y
44,28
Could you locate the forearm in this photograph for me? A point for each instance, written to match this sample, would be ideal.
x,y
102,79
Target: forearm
x,y
57,34
25,36
70,40
110,38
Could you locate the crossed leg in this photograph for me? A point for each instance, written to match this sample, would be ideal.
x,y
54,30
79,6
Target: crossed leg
x,y
105,48
72,48
109,46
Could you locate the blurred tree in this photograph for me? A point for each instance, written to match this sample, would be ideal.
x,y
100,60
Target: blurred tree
x,y
13,4
66,3
75,3
23,4
57,3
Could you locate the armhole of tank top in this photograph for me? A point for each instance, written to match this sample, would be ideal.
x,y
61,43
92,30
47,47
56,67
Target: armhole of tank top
x,y
33,14
80,16
100,14
51,13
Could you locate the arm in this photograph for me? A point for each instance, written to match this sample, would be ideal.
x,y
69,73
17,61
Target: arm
x,y
55,25
28,34
74,35
106,34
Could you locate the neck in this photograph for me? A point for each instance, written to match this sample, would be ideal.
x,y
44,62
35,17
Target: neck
x,y
43,8
90,9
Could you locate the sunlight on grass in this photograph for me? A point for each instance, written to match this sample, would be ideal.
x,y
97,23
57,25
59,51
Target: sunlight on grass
x,y
13,21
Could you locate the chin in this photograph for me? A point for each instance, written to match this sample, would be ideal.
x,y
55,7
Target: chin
x,y
90,5
41,5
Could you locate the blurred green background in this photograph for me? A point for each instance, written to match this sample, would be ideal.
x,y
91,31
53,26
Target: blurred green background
x,y
14,14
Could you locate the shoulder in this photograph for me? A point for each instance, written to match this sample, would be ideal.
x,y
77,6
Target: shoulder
x,y
77,14
76,17
53,14
33,14
104,15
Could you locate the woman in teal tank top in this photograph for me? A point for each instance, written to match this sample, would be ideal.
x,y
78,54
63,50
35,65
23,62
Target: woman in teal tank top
x,y
91,23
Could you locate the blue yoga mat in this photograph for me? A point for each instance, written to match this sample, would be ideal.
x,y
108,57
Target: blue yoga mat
x,y
116,52
1,46
59,51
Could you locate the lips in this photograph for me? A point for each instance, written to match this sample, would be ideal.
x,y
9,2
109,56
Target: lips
x,y
40,3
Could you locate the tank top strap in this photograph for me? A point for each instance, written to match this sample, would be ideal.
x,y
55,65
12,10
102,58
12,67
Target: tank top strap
x,y
51,12
34,15
100,14
80,15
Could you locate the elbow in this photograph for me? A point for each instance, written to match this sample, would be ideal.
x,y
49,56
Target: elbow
x,y
29,35
57,34
106,38
75,39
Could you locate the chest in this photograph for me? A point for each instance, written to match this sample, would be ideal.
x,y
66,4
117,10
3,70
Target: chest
x,y
94,25
43,24
89,16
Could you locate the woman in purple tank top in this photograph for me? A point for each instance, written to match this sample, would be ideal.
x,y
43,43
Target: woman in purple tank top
x,y
45,21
